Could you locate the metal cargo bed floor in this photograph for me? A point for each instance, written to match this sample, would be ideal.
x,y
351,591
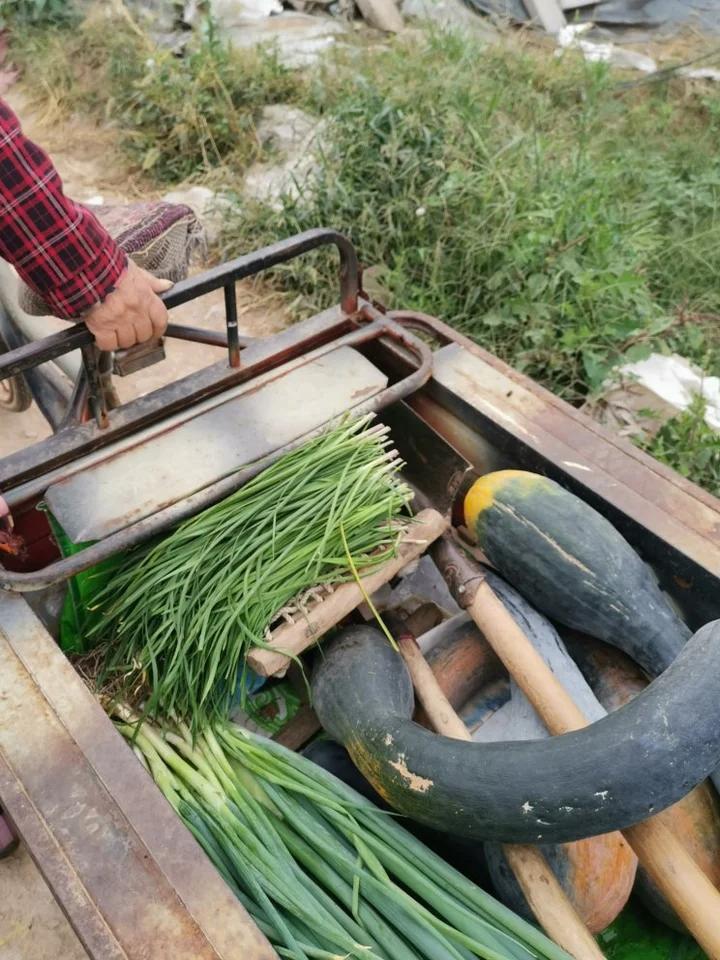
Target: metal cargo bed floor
x,y
136,482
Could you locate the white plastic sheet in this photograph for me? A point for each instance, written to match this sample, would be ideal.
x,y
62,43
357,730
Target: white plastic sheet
x,y
646,394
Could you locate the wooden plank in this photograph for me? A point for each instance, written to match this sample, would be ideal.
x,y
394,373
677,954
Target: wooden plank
x,y
129,876
301,728
291,639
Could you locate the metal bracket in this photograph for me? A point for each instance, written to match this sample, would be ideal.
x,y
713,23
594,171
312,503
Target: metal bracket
x,y
127,362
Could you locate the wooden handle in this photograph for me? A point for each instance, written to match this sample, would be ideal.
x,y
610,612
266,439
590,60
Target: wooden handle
x,y
543,892
549,902
292,638
681,881
438,708
552,702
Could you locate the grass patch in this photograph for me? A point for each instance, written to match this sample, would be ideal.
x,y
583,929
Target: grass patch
x,y
690,446
179,116
20,13
521,198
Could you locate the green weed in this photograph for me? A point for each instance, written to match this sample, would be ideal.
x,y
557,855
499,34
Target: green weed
x,y
178,116
520,198
690,446
562,219
36,12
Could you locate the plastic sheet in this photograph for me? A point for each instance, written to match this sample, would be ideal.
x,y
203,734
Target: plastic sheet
x,y
666,14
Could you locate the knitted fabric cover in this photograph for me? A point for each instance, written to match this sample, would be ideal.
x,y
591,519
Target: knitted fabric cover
x,y
159,236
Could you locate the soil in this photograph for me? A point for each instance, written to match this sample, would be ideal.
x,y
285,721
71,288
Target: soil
x,y
32,926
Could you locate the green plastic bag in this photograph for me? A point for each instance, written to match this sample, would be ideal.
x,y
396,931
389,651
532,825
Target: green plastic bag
x,y
269,709
77,613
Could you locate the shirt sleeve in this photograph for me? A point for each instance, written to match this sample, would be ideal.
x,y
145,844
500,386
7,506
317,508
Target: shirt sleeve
x,y
57,246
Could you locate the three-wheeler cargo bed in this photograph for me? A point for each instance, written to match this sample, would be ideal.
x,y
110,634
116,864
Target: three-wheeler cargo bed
x,y
129,877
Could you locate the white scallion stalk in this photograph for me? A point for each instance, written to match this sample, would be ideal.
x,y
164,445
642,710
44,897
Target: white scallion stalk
x,y
321,869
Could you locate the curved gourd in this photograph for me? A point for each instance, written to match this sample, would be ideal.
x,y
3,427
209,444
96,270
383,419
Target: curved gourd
x,y
695,820
573,565
615,772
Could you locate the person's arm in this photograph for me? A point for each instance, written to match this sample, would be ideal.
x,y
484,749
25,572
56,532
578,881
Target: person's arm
x,y
63,253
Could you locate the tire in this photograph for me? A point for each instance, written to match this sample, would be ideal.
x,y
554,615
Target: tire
x,y
15,395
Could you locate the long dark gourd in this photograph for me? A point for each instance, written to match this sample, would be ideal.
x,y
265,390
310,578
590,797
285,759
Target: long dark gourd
x,y
695,819
616,772
573,565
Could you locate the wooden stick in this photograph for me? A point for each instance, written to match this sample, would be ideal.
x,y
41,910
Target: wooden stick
x,y
681,881
292,638
543,892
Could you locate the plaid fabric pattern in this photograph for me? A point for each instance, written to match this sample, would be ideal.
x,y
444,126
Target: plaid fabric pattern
x,y
57,246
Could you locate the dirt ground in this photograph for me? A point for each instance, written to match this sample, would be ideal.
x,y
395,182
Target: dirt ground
x,y
32,927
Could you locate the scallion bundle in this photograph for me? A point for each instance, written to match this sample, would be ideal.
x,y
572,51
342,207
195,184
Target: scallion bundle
x,y
180,615
323,872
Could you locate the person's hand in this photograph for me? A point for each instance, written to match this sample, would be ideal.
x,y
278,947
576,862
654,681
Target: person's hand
x,y
132,313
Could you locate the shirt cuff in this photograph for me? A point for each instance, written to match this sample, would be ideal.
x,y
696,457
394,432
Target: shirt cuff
x,y
88,288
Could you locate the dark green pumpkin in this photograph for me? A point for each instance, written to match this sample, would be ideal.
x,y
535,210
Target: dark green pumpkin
x,y
573,565
613,773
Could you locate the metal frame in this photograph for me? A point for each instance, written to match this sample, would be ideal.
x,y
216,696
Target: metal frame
x,y
121,864
376,330
357,323
63,408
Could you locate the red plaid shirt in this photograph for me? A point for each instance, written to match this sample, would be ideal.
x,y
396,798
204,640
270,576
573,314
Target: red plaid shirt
x,y
58,247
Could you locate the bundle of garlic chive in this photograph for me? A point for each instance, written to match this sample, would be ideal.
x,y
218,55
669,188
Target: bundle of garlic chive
x,y
179,615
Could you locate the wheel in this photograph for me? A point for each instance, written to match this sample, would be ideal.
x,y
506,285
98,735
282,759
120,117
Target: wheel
x,y
15,394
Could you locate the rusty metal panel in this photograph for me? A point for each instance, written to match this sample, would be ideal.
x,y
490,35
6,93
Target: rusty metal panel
x,y
188,457
130,878
378,331
659,499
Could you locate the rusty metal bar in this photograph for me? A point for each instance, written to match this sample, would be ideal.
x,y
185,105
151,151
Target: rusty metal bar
x,y
164,519
96,396
177,397
33,354
78,336
129,876
231,323
213,338
78,401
